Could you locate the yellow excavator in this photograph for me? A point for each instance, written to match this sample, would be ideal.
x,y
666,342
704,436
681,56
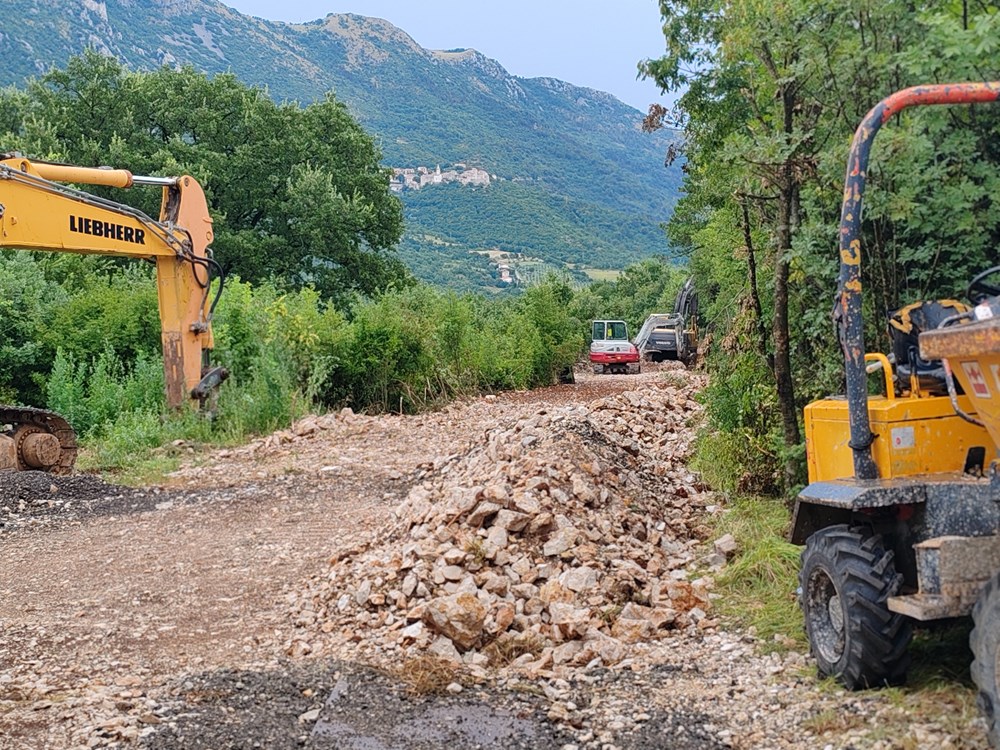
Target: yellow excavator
x,y
40,210
901,517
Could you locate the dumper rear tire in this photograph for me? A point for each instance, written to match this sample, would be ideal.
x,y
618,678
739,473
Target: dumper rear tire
x,y
846,579
985,644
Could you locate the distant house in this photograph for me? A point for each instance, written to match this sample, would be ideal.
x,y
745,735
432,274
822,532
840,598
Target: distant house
x,y
505,273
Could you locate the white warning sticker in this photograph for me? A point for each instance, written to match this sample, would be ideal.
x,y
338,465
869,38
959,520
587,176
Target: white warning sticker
x,y
903,437
995,369
977,380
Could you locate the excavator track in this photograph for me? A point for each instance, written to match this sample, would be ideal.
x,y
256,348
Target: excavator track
x,y
19,423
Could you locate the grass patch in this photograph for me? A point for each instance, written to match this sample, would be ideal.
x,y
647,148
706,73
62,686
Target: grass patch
x,y
938,698
140,447
941,655
758,590
476,547
758,585
144,471
505,649
948,707
602,274
939,690
609,615
427,675
674,379
832,720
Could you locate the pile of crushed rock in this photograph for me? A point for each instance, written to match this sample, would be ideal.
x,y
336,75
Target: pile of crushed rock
x,y
554,542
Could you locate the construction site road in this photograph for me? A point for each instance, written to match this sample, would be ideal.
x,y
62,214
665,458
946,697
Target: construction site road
x,y
520,570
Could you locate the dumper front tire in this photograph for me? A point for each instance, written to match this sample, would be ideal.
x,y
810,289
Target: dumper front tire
x,y
985,644
846,579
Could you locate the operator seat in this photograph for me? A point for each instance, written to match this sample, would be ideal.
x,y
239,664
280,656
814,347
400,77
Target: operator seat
x,y
905,325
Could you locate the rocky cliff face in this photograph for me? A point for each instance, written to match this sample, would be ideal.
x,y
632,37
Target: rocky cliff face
x,y
367,41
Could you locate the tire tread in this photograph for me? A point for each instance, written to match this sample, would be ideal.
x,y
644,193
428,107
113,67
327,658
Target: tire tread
x,y
875,652
984,642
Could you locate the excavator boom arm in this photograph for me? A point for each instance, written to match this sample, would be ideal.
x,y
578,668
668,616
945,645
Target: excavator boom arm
x,y
38,212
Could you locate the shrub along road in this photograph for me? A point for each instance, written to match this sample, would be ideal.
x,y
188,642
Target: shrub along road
x,y
527,570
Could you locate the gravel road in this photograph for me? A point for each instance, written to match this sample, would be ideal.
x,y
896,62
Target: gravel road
x,y
167,617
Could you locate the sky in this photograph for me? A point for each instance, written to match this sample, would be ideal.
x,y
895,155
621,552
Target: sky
x,y
593,43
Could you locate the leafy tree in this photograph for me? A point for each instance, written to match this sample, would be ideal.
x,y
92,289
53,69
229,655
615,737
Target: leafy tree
x,y
297,193
642,289
26,301
545,309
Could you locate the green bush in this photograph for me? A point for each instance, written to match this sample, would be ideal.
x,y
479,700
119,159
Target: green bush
x,y
561,337
94,394
65,390
504,353
27,300
758,586
111,307
287,352
128,439
741,451
260,399
737,462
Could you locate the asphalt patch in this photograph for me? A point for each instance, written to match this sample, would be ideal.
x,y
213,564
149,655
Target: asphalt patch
x,y
31,498
37,500
676,729
368,711
343,706
322,705
240,709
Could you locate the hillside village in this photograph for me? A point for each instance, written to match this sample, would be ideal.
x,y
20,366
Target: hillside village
x,y
409,178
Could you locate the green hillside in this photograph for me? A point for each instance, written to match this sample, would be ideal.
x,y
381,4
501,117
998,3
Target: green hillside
x,y
532,221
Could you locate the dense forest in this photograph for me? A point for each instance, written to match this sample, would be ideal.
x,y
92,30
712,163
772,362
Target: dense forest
x,y
770,95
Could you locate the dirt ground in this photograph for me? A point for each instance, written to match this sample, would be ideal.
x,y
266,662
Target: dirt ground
x,y
159,617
